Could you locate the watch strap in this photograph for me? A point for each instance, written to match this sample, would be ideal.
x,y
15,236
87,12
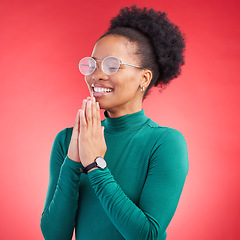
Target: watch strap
x,y
93,165
90,166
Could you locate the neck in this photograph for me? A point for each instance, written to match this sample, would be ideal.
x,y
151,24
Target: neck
x,y
115,113
128,122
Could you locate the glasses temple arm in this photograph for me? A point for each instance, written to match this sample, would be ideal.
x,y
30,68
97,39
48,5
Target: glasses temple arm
x,y
131,65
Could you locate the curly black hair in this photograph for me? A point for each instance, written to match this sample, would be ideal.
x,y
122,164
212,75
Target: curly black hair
x,y
160,42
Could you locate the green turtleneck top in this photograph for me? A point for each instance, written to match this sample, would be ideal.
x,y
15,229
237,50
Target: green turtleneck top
x,y
134,198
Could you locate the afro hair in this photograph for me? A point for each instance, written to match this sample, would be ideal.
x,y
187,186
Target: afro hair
x,y
164,38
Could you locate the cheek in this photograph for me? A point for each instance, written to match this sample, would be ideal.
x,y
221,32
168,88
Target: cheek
x,y
130,81
128,85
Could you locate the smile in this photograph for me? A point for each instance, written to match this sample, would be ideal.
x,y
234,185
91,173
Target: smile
x,y
98,89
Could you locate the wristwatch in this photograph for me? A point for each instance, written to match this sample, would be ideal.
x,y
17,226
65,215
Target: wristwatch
x,y
99,162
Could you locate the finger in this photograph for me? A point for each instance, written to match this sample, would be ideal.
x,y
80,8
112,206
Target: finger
x,y
88,113
82,120
84,105
94,113
76,127
98,117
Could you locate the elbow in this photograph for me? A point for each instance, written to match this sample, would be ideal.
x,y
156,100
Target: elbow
x,y
155,232
51,230
43,229
152,229
47,230
149,233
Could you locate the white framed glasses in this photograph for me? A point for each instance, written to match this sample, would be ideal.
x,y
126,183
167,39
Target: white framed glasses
x,y
110,65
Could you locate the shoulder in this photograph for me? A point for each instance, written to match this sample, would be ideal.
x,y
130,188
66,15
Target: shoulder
x,y
163,132
171,145
167,139
63,138
64,134
103,122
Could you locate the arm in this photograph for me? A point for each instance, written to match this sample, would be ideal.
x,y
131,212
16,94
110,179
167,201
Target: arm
x,y
160,195
58,217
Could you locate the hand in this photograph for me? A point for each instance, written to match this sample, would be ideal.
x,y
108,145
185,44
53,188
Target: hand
x,y
91,135
73,152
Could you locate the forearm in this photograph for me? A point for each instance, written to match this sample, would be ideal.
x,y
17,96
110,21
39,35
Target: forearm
x,y
128,218
58,218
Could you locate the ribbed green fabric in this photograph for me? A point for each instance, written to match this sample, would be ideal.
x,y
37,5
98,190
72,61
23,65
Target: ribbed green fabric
x,y
134,198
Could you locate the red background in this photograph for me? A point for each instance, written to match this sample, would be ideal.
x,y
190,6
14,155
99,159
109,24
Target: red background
x,y
41,43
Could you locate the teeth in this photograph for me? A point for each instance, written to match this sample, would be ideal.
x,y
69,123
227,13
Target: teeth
x,y
98,89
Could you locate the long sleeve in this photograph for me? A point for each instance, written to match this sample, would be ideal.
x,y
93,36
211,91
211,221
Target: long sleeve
x,y
168,167
59,214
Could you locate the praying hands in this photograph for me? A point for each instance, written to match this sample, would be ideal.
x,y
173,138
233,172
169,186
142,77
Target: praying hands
x,y
87,140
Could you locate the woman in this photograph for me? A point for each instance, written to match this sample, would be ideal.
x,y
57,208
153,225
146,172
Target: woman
x,y
120,178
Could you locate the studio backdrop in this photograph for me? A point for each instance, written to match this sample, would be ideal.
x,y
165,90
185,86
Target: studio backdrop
x,y
41,90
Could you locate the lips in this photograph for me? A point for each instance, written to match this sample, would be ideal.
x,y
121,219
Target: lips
x,y
100,90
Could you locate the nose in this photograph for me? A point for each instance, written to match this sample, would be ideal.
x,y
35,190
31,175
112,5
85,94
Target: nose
x,y
98,74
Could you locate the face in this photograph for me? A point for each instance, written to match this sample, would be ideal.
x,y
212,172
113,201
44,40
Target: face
x,y
121,91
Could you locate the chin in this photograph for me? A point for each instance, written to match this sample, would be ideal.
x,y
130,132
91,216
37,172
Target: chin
x,y
104,103
104,106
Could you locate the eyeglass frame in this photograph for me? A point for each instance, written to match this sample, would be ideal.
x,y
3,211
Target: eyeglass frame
x,y
97,60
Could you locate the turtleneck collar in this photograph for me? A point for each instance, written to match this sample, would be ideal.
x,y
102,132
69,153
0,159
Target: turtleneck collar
x,y
129,122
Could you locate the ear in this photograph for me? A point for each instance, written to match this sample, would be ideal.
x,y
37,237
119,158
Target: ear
x,y
146,78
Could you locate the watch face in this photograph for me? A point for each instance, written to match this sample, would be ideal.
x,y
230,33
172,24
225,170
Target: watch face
x,y
101,162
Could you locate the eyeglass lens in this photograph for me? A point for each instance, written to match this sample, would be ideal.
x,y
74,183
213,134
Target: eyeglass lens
x,y
110,65
87,65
